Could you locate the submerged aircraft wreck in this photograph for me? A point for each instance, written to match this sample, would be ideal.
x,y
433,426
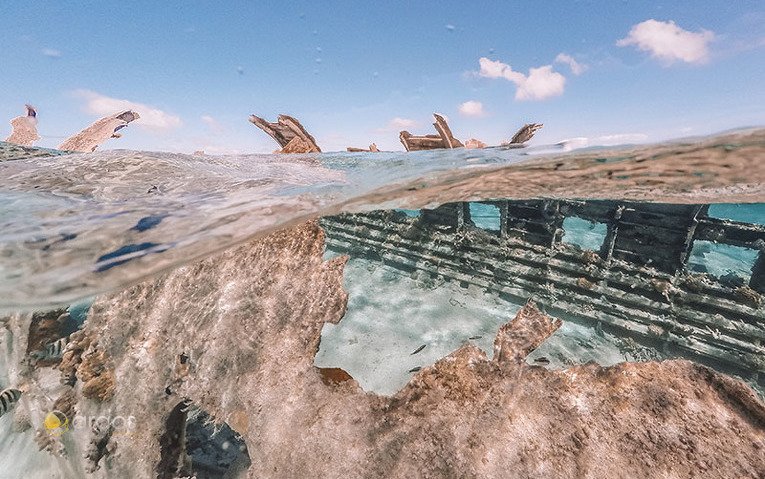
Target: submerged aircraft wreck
x,y
637,281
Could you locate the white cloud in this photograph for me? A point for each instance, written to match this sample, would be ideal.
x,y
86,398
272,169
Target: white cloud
x,y
401,123
668,42
541,82
576,67
212,123
472,108
151,118
51,53
497,69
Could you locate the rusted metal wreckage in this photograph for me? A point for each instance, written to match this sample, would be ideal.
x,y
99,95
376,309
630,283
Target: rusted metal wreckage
x,y
638,282
24,128
104,129
289,133
372,149
24,131
445,138
294,138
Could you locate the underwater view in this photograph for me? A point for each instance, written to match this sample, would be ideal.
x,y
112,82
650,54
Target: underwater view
x,y
547,270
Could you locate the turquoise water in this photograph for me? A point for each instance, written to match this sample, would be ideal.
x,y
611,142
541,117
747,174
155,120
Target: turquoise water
x,y
485,216
744,212
587,235
723,260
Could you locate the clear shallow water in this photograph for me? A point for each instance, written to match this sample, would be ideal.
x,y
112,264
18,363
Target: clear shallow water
x,y
392,313
746,213
75,225
585,234
721,260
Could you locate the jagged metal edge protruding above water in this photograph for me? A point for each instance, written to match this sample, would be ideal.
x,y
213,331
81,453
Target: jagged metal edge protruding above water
x,y
24,128
289,133
91,137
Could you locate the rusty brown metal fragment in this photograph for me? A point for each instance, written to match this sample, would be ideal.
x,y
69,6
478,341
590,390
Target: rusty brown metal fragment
x,y
444,138
445,132
372,148
415,143
24,128
289,133
516,339
93,136
473,144
526,132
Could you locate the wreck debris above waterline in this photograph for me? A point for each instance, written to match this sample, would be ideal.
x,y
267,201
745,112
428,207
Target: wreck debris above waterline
x,y
372,149
291,136
445,139
24,128
104,129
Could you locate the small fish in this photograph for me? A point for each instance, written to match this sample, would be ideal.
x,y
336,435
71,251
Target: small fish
x,y
53,350
7,399
418,350
414,369
542,360
475,337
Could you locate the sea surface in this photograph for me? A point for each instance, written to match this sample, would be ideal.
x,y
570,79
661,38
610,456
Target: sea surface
x,y
75,225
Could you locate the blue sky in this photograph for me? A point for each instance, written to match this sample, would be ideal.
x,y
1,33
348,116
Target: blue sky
x,y
356,72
